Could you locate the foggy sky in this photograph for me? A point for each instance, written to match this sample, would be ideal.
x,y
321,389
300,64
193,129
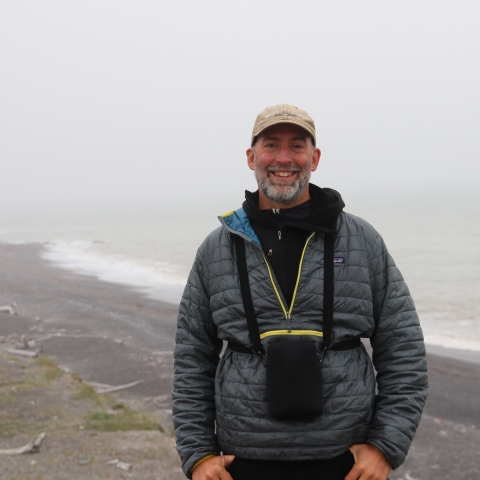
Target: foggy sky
x,y
109,104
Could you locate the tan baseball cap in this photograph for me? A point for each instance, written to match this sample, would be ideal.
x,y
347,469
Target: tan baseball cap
x,y
283,113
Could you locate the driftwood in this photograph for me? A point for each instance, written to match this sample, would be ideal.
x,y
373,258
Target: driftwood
x,y
11,309
23,353
96,385
124,466
32,447
48,336
119,387
104,388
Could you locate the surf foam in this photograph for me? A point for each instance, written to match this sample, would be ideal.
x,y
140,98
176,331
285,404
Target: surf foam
x,y
159,280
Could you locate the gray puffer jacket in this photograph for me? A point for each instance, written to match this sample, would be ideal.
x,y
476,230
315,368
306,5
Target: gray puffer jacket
x,y
219,404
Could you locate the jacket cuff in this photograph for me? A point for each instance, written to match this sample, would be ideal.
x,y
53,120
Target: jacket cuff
x,y
393,456
202,460
195,460
381,451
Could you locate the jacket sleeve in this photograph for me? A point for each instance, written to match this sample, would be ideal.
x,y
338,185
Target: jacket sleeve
x,y
398,357
196,357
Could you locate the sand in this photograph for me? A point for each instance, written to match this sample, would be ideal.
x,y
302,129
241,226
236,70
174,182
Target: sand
x,y
113,335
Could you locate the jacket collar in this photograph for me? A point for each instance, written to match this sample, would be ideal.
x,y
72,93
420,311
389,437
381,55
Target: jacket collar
x,y
238,222
326,205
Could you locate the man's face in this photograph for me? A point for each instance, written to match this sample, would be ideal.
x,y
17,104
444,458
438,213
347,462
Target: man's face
x,y
283,158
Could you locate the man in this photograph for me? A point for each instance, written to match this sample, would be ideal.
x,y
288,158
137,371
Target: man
x,y
233,416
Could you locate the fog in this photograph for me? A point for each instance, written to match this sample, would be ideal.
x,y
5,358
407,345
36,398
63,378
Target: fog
x,y
112,105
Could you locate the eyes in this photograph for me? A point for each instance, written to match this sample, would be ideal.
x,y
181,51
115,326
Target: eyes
x,y
294,146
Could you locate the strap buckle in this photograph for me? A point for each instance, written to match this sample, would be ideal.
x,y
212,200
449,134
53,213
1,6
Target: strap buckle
x,y
261,355
322,354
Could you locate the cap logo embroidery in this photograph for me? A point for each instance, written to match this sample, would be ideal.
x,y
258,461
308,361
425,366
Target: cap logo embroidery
x,y
284,114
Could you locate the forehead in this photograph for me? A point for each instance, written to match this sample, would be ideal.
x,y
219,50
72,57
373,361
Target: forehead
x,y
284,131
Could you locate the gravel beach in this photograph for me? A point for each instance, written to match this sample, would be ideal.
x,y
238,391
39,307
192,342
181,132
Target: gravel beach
x,y
113,336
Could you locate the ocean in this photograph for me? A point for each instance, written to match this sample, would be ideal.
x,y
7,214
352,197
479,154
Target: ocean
x,y
434,240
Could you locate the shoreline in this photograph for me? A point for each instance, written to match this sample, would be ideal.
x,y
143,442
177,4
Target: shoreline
x,y
466,355
108,333
114,335
470,356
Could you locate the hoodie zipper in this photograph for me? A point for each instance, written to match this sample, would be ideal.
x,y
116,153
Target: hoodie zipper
x,y
288,313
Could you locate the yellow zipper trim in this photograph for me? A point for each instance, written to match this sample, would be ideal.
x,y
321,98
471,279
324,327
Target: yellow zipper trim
x,y
288,313
228,214
292,332
275,287
298,276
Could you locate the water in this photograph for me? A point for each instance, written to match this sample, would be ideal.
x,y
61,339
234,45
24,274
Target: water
x,y
435,241
152,252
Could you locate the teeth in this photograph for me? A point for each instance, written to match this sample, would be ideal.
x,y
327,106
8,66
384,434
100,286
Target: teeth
x,y
284,174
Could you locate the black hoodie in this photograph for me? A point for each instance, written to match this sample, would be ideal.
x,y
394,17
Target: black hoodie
x,y
283,232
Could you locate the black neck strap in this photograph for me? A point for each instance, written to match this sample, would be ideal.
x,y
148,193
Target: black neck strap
x,y
253,331
252,323
327,290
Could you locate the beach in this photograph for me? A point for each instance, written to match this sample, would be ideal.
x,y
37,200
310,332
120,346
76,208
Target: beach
x,y
113,335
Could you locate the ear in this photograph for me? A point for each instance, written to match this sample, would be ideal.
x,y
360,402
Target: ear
x,y
316,159
251,159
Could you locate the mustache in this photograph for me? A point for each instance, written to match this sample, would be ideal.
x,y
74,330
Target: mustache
x,y
282,168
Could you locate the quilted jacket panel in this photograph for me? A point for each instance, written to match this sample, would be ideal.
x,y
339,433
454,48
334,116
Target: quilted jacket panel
x,y
219,404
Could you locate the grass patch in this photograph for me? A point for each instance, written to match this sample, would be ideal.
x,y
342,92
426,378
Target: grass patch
x,y
11,428
4,399
38,477
52,374
52,371
19,388
86,392
75,377
51,411
46,362
125,420
12,383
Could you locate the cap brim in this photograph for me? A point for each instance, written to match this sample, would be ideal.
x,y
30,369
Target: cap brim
x,y
278,122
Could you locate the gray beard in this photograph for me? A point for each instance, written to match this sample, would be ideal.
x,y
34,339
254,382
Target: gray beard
x,y
285,194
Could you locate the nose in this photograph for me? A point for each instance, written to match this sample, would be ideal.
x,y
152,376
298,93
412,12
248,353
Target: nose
x,y
284,155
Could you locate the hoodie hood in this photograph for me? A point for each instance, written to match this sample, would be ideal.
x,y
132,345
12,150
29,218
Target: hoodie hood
x,y
326,206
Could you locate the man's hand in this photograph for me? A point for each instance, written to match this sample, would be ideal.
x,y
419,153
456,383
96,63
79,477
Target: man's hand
x,y
370,463
213,468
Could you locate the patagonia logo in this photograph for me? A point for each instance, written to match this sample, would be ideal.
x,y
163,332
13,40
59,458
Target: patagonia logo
x,y
338,259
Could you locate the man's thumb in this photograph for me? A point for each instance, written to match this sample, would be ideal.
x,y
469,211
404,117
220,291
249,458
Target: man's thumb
x,y
227,460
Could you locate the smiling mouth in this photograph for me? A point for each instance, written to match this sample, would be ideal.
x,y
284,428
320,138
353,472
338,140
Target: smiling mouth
x,y
283,174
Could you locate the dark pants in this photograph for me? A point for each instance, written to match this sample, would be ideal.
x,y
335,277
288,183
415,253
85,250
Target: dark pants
x,y
335,468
